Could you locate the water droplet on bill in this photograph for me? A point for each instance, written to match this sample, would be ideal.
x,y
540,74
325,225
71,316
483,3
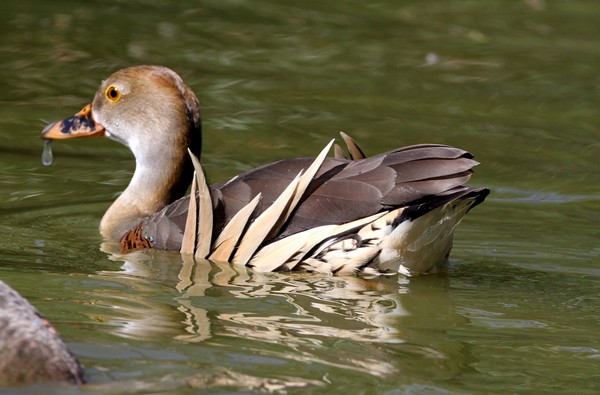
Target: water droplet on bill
x,y
47,153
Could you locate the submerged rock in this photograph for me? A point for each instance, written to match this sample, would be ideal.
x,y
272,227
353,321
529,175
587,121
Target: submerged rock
x,y
31,350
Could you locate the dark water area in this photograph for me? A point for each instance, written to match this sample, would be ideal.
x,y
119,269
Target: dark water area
x,y
516,83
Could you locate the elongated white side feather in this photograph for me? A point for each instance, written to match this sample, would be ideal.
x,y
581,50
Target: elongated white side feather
x,y
338,152
274,255
269,223
353,149
205,215
316,239
303,183
351,254
188,244
232,232
261,227
288,252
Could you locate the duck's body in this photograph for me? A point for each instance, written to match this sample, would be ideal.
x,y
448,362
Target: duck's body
x,y
418,191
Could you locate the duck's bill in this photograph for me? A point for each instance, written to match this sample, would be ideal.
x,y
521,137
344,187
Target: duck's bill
x,y
81,124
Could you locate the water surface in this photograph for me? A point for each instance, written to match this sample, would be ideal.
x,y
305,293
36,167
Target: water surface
x,y
516,83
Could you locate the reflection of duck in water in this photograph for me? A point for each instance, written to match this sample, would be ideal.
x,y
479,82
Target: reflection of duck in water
x,y
291,316
391,212
30,348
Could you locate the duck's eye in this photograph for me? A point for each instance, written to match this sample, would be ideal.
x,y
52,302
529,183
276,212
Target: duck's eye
x,y
112,93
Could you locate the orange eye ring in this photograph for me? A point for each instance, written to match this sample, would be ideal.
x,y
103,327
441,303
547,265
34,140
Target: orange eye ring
x,y
112,93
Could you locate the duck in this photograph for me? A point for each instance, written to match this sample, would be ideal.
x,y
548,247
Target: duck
x,y
395,212
31,348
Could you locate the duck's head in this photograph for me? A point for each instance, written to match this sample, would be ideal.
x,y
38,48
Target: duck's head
x,y
147,108
152,111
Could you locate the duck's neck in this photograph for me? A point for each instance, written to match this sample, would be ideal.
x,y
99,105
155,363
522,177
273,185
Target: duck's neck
x,y
162,174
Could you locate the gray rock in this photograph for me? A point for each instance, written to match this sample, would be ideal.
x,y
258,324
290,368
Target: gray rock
x,y
31,350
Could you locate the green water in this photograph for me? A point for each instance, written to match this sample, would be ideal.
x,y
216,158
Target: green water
x,y
514,82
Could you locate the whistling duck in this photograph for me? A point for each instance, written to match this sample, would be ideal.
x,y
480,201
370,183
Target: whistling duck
x,y
30,348
393,212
